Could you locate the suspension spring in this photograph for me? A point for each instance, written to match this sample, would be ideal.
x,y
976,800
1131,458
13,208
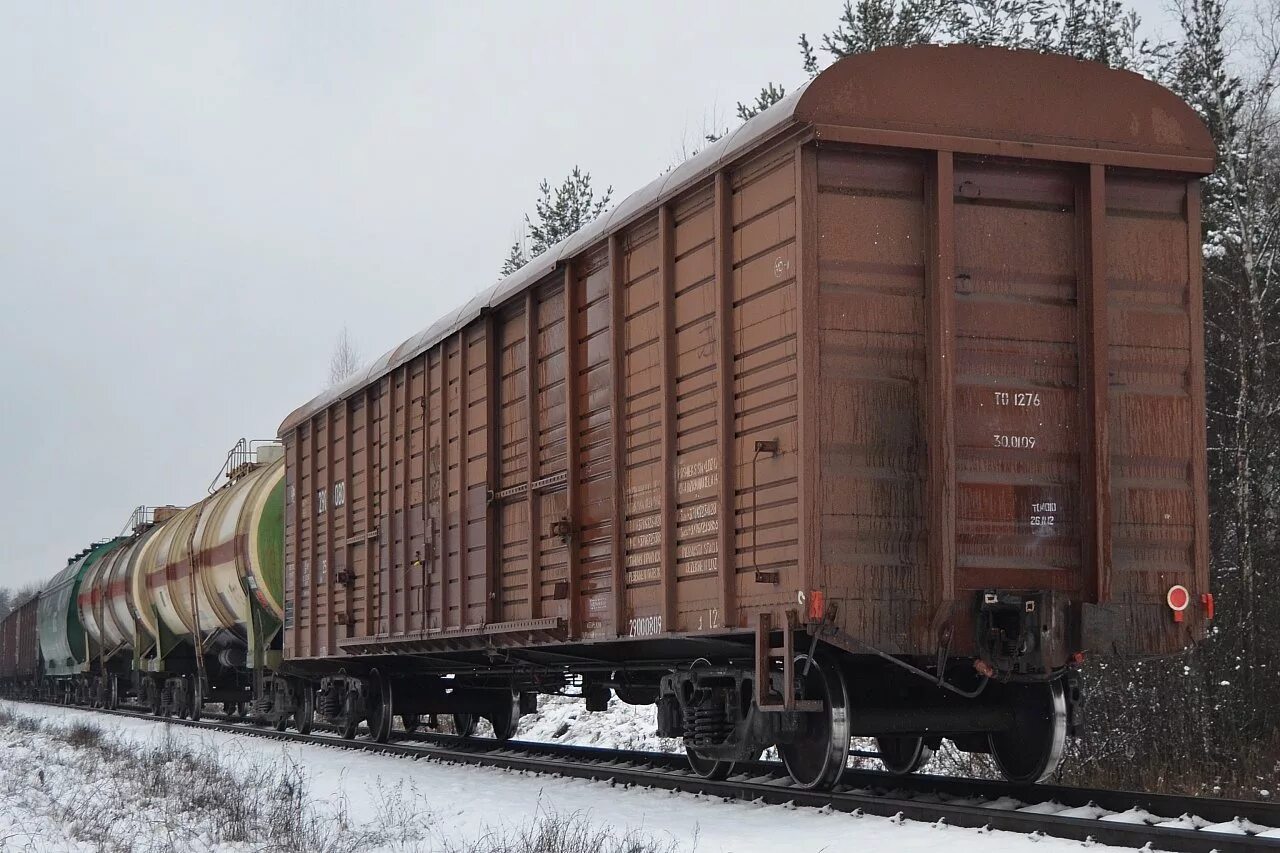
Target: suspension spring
x,y
707,725
330,704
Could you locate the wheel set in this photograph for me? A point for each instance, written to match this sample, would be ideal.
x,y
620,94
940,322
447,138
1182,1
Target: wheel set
x,y
1026,752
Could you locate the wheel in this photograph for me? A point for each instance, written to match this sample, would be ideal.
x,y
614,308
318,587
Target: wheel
x,y
464,725
113,695
505,717
816,759
713,768
903,755
197,698
380,707
708,768
1031,750
305,717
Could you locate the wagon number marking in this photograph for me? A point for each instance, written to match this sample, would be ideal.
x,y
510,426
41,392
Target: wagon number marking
x,y
1018,399
646,626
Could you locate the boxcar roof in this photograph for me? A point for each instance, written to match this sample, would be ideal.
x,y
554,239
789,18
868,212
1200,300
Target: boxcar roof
x,y
961,98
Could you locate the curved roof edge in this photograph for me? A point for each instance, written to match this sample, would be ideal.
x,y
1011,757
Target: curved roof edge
x,y
956,91
1019,96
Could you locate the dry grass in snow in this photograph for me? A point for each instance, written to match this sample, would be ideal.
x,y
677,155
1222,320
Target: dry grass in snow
x,y
74,787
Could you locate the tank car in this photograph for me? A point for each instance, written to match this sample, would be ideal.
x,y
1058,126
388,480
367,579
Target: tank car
x,y
67,649
872,419
205,593
182,610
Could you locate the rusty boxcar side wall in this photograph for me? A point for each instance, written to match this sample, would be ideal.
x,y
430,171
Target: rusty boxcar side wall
x,y
8,646
19,642
474,487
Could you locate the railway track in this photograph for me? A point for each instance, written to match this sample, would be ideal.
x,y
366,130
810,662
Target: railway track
x,y
1128,819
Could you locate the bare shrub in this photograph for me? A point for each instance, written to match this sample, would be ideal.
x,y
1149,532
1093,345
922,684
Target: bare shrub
x,y
565,833
112,795
20,722
82,734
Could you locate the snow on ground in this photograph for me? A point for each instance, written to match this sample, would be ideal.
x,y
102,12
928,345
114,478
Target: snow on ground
x,y
453,805
565,719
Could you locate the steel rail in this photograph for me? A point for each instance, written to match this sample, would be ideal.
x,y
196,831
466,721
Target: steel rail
x,y
859,792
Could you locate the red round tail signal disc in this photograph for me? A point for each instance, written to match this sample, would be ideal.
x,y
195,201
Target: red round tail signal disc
x,y
1178,598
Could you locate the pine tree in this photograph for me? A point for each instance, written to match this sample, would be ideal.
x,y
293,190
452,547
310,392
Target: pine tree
x,y
1241,212
515,259
871,24
557,214
808,59
1105,31
769,95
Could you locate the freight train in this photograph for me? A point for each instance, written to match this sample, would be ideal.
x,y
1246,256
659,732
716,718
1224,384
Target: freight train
x,y
871,419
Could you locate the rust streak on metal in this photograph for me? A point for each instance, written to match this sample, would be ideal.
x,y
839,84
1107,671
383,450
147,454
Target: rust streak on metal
x,y
940,437
328,627
808,366
406,453
370,510
344,564
531,450
464,556
726,509
436,386
313,544
572,450
618,429
1095,455
493,468
428,569
666,360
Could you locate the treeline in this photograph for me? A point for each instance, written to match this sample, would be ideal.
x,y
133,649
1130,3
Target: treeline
x,y
1207,721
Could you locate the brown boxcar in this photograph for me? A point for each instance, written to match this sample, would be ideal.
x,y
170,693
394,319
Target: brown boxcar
x,y
20,649
905,373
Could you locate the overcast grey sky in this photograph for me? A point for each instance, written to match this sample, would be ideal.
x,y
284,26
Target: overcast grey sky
x,y
197,198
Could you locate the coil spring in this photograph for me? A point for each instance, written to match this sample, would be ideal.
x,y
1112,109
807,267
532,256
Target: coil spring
x,y
330,704
706,725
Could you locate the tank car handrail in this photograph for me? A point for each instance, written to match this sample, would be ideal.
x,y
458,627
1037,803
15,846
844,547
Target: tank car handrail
x,y
242,453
